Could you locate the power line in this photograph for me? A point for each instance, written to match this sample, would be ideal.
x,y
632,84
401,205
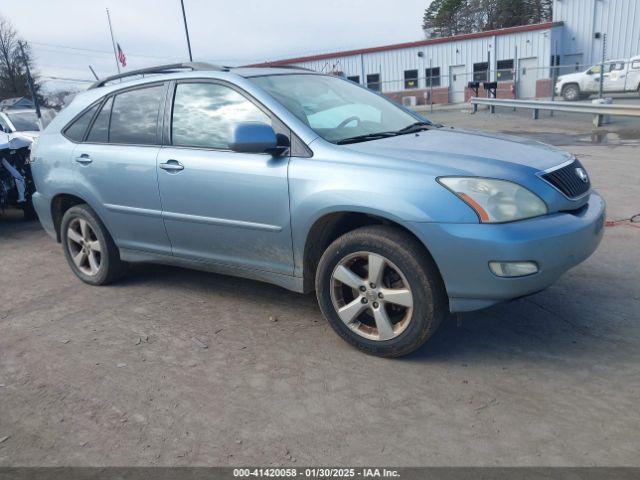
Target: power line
x,y
92,50
65,79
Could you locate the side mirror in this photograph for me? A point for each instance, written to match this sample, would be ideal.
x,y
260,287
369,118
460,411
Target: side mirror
x,y
254,137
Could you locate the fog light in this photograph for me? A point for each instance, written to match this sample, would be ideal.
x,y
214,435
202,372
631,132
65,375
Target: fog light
x,y
513,269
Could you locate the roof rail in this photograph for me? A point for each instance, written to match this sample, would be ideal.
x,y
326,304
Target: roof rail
x,y
291,67
171,68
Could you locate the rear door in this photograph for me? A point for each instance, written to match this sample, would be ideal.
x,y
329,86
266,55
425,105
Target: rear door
x,y
615,76
221,206
116,167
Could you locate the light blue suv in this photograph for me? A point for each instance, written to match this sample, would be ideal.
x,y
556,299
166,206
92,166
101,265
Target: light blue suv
x,y
310,182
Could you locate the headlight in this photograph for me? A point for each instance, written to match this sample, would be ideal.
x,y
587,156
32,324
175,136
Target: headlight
x,y
496,201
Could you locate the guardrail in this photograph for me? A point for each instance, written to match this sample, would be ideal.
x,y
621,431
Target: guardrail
x,y
598,110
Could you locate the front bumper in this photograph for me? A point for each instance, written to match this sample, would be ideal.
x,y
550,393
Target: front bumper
x,y
555,242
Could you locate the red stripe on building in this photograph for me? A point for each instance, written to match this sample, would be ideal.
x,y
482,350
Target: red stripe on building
x,y
420,43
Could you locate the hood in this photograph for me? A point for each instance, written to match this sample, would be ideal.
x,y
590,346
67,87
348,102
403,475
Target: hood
x,y
577,76
27,135
466,151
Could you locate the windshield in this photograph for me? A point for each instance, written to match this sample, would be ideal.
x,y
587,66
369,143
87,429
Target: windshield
x,y
24,121
334,108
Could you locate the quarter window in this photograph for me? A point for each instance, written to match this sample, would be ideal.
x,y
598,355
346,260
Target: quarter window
x,y
205,113
134,116
99,132
76,130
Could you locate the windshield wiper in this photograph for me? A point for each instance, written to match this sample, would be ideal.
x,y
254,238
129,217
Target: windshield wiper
x,y
366,137
416,127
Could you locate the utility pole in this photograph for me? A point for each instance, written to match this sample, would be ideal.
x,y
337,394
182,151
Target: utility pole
x,y
186,30
604,52
113,42
32,89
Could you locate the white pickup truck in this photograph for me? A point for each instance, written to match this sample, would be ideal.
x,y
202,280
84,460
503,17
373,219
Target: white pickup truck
x,y
619,76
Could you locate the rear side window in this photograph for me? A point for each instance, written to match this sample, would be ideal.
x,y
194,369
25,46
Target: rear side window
x,y
76,130
99,132
204,114
134,116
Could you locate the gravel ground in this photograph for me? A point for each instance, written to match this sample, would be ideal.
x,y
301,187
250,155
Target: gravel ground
x,y
175,367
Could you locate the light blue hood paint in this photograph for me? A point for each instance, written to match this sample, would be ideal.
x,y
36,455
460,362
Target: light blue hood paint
x,y
466,151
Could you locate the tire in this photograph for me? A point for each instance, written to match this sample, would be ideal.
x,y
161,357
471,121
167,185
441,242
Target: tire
x,y
405,262
571,92
92,247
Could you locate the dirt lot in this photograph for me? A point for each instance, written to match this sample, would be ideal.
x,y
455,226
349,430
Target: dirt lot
x,y
174,367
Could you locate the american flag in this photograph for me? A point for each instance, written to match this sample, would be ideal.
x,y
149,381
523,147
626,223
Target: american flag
x,y
121,56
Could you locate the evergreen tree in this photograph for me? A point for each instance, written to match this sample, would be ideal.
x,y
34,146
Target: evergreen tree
x,y
451,17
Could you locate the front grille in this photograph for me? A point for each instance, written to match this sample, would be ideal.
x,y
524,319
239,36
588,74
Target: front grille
x,y
567,180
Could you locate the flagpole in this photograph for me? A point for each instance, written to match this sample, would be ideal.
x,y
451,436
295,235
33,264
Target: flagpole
x,y
113,42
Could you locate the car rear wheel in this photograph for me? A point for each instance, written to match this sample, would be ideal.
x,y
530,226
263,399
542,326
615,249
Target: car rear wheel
x,y
380,291
88,247
571,93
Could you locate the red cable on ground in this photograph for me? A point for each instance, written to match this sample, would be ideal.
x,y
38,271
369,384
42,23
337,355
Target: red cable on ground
x,y
633,221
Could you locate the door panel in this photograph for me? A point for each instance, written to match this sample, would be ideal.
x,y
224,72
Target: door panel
x,y
122,180
227,207
614,77
221,206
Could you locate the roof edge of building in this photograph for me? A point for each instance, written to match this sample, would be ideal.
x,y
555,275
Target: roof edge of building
x,y
419,43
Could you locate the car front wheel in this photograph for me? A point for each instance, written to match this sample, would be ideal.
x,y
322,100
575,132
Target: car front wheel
x,y
571,93
88,247
380,291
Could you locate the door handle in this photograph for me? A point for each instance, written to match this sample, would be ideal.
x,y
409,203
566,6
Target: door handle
x,y
172,166
84,159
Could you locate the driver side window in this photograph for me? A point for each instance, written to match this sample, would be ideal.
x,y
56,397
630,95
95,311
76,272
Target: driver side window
x,y
204,115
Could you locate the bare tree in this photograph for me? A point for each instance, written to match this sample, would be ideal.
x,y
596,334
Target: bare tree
x,y
13,76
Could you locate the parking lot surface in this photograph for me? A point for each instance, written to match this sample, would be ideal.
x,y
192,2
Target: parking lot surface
x,y
175,367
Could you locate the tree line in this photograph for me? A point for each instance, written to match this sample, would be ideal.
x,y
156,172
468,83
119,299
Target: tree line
x,y
13,73
444,18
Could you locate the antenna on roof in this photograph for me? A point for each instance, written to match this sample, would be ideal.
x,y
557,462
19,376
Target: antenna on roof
x,y
94,73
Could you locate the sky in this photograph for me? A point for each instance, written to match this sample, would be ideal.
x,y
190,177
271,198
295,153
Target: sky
x,y
68,35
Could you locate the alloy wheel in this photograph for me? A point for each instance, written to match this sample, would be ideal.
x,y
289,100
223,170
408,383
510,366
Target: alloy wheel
x,y
371,296
84,246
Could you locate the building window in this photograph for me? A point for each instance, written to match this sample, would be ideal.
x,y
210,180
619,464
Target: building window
x,y
373,81
354,78
433,75
410,79
481,72
505,70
